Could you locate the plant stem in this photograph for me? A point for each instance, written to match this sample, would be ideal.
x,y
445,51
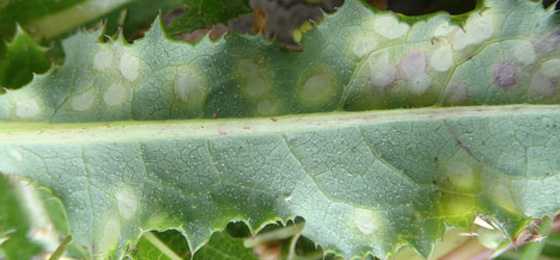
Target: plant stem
x,y
161,246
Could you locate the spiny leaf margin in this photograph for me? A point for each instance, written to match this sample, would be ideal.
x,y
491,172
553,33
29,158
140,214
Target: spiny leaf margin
x,y
244,107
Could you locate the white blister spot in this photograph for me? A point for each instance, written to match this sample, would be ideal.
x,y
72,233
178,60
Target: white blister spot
x,y
27,108
127,203
103,59
543,86
461,175
442,59
443,30
317,89
16,155
130,66
502,195
420,84
267,107
188,87
478,29
382,71
83,101
525,52
114,95
551,68
455,94
363,46
413,64
255,86
389,27
253,81
110,236
366,221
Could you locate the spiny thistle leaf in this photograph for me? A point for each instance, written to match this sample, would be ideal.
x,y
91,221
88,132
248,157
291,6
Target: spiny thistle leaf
x,y
364,182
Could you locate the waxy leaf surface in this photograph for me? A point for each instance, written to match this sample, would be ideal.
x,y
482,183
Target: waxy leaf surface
x,y
363,181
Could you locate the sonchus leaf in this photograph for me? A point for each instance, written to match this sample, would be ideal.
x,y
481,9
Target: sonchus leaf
x,y
365,182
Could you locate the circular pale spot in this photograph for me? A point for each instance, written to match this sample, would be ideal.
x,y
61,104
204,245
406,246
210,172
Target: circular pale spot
x,y
267,107
130,67
27,108
253,78
443,30
363,46
502,195
16,155
505,75
551,68
110,237
525,53
255,86
247,67
188,87
543,86
366,221
114,95
83,101
413,64
420,84
103,59
382,71
456,205
318,88
389,27
127,203
455,94
461,175
479,29
442,59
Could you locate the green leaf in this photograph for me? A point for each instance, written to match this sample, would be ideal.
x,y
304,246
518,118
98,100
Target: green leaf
x,y
45,20
366,182
170,244
223,246
203,14
135,16
514,54
14,225
20,59
32,219
26,11
362,181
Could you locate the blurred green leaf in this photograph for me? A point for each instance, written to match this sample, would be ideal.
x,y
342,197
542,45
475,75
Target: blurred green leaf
x,y
172,245
204,13
14,225
20,59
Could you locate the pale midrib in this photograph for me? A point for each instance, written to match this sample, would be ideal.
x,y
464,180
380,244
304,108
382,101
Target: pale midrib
x,y
15,133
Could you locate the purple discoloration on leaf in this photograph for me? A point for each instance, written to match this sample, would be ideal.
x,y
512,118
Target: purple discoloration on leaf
x,y
505,75
413,64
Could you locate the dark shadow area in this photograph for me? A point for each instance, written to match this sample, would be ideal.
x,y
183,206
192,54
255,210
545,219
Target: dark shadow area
x,y
420,7
548,3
